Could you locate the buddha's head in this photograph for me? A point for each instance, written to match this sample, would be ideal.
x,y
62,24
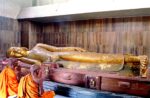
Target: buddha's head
x,y
17,52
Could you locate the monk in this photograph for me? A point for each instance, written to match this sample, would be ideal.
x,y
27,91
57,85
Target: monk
x,y
30,86
78,58
9,80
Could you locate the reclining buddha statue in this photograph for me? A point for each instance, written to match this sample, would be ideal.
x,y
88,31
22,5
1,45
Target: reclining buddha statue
x,y
78,58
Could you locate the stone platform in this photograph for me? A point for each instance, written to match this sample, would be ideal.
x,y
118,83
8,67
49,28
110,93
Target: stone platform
x,y
69,91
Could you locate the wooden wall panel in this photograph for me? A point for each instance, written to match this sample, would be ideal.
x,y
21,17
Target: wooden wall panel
x,y
31,33
35,34
114,35
24,33
9,34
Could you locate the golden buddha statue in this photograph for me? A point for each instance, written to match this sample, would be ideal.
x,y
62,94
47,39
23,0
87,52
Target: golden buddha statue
x,y
78,58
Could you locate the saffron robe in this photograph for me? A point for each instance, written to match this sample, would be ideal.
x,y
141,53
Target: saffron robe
x,y
8,83
30,89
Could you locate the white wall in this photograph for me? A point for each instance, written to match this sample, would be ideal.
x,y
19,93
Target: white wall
x,y
76,7
46,2
11,8
80,2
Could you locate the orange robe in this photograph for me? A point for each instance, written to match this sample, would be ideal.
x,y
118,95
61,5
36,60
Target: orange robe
x,y
8,83
29,89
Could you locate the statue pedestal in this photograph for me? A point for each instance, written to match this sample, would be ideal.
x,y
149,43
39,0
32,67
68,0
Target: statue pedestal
x,y
102,81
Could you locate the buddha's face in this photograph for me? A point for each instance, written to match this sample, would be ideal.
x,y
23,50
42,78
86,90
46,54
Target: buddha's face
x,y
17,52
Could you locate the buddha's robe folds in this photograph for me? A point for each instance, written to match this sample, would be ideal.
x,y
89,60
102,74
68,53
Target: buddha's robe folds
x,y
30,89
8,83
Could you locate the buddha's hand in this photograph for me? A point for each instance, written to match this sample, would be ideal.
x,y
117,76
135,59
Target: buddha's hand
x,y
144,65
79,49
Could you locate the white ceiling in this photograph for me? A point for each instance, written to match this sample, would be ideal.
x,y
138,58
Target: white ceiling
x,y
86,10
